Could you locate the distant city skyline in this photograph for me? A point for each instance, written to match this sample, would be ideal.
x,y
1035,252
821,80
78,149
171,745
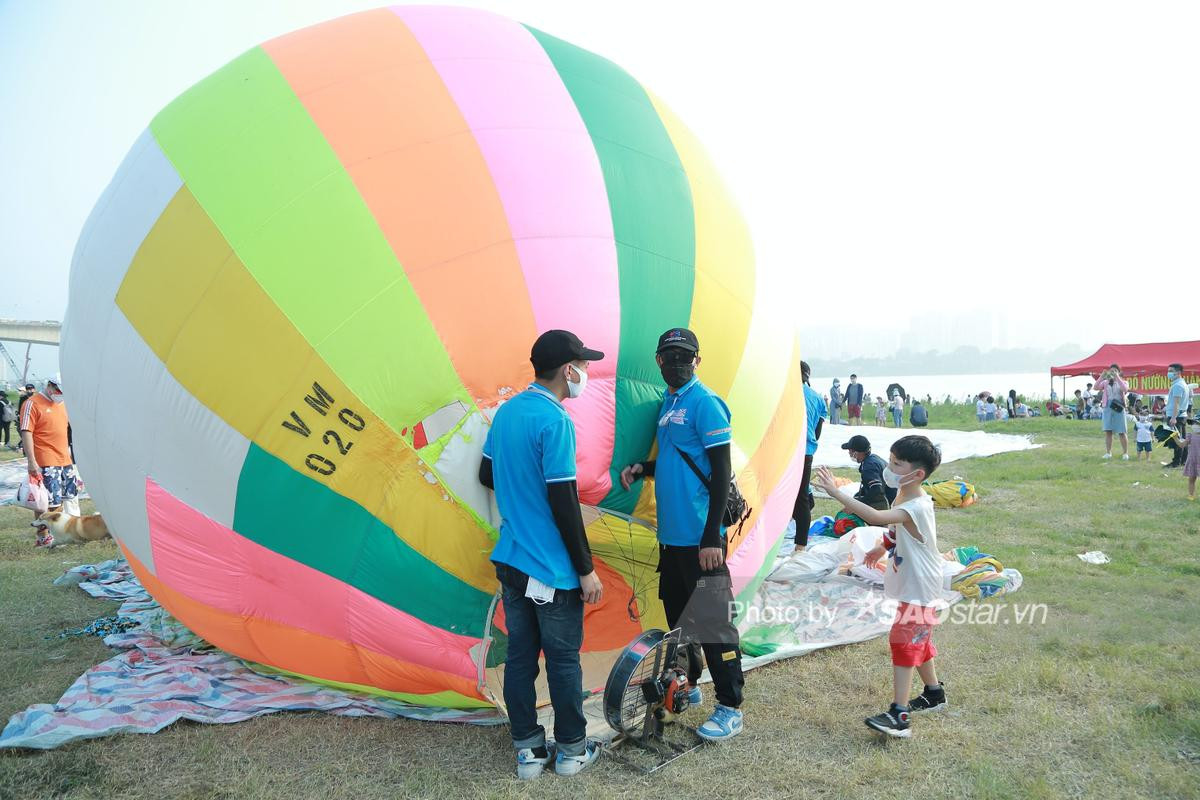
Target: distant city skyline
x,y
984,329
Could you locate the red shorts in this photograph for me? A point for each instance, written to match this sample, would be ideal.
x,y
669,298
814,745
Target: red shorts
x,y
911,637
855,411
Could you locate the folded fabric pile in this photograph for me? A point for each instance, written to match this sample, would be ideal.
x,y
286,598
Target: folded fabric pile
x,y
951,494
982,576
845,522
821,527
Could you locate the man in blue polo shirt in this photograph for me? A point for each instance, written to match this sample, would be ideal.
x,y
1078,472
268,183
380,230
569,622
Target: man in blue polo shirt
x,y
694,582
1178,397
542,560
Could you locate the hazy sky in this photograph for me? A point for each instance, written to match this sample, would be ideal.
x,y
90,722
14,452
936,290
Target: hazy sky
x,y
910,158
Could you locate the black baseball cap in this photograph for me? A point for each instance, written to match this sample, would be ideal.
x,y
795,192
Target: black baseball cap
x,y
678,337
859,443
555,348
29,386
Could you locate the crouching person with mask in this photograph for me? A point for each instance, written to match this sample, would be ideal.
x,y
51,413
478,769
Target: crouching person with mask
x,y
694,436
542,559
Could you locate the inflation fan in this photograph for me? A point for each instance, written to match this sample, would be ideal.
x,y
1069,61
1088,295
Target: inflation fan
x,y
646,689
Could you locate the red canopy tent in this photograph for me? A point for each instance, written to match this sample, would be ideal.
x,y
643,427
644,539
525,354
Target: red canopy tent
x,y
1144,366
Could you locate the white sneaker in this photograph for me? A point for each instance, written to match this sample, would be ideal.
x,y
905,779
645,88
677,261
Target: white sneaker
x,y
1125,457
567,765
1106,457
529,766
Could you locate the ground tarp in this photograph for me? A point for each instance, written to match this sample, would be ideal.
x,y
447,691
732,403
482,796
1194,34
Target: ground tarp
x,y
954,444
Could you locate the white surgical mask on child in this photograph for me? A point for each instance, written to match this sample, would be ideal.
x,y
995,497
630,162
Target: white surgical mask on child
x,y
576,389
893,480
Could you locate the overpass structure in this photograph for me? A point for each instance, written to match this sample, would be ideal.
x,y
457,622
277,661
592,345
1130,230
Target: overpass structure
x,y
27,333
45,332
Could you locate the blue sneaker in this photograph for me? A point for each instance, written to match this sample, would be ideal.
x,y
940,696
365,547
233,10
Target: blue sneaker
x,y
573,765
529,766
695,696
725,723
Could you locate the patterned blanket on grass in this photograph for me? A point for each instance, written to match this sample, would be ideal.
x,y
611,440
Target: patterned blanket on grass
x,y
165,673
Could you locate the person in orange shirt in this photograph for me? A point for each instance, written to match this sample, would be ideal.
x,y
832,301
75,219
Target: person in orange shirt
x,y
44,436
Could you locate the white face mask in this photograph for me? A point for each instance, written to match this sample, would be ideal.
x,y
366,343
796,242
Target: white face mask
x,y
576,389
893,480
54,395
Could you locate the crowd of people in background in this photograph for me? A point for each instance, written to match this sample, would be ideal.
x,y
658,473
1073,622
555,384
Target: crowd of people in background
x,y
1162,419
1014,407
852,399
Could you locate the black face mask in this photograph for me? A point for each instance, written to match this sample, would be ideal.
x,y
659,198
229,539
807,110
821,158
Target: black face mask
x,y
677,368
677,375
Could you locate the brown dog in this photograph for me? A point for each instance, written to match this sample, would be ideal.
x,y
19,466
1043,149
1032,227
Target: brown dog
x,y
66,528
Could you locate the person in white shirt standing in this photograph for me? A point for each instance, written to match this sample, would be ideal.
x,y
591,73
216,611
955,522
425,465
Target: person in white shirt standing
x,y
914,577
897,409
1145,436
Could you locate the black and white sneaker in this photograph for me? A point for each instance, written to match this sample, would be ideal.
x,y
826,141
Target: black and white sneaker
x,y
893,722
930,700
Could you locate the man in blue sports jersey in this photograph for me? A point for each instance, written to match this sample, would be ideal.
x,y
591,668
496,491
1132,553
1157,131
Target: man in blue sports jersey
x,y
694,582
542,560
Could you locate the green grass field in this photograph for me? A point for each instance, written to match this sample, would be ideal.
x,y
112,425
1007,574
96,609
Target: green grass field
x,y
1101,699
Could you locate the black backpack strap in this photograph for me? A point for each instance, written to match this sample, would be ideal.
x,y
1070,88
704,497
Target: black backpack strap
x,y
688,460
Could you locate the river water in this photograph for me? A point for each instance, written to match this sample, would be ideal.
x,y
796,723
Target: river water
x,y
1032,385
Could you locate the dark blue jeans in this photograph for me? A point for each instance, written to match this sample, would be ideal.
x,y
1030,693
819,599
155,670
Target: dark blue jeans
x,y
555,629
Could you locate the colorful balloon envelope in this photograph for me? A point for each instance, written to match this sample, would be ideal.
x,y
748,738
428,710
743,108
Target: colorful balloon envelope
x,y
317,275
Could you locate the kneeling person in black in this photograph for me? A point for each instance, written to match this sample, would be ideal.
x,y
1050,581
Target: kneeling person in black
x,y
872,490
694,582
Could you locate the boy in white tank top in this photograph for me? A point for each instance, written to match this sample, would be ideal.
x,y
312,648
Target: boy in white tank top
x,y
914,576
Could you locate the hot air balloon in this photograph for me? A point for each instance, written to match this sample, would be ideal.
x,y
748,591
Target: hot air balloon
x,y
313,280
